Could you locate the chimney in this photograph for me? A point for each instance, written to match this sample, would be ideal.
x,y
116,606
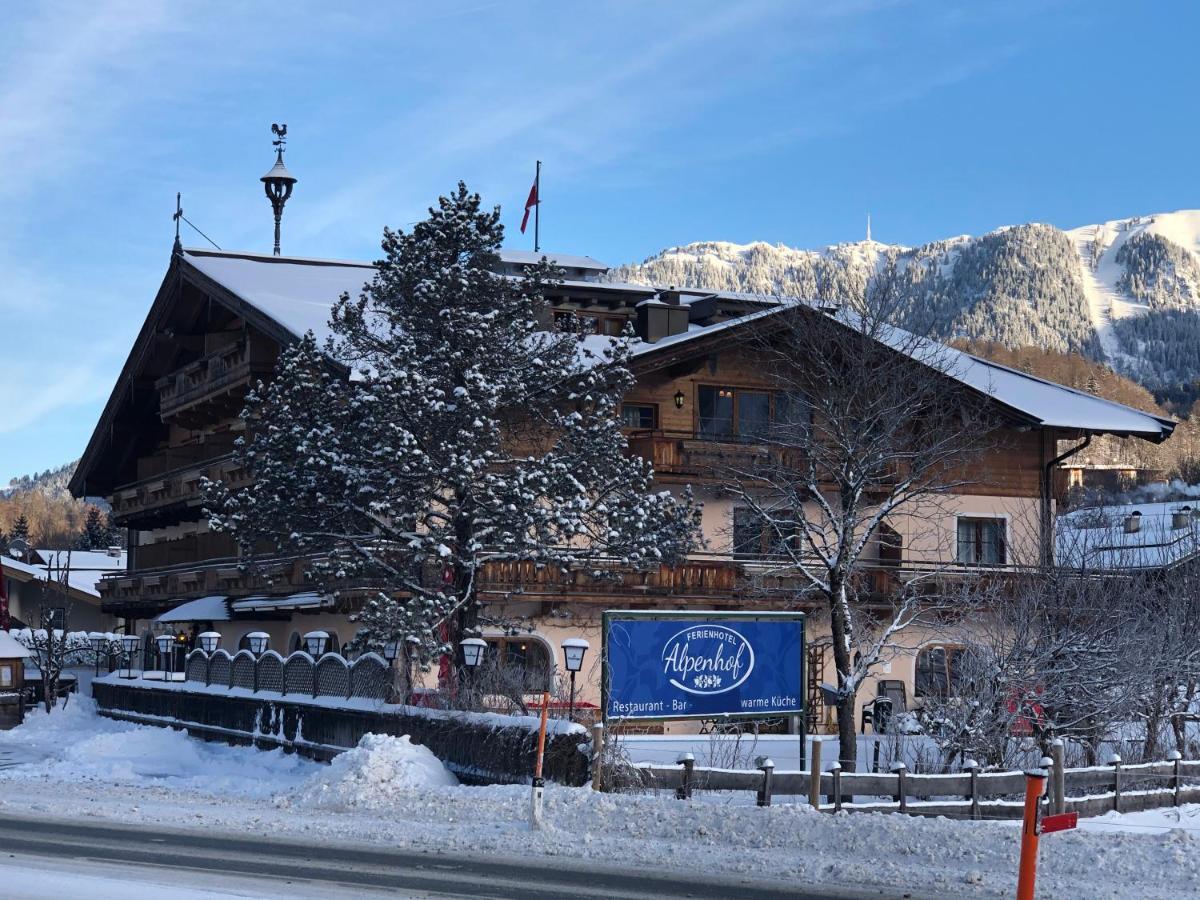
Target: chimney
x,y
661,316
114,552
1133,522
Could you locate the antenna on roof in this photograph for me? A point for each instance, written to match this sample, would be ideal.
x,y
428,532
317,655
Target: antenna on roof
x,y
178,217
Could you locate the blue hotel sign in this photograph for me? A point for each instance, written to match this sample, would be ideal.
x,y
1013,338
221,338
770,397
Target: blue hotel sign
x,y
662,665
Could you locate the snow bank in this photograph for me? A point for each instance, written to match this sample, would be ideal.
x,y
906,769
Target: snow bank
x,y
73,744
374,773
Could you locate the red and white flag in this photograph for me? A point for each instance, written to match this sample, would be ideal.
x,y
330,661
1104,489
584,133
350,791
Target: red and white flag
x,y
529,204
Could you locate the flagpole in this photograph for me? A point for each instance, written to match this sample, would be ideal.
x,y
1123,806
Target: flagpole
x,y
537,207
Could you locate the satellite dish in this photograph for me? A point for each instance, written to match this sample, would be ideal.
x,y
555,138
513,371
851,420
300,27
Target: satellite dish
x,y
18,548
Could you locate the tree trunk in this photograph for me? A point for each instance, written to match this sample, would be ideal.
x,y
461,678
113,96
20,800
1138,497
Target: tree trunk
x,y
840,627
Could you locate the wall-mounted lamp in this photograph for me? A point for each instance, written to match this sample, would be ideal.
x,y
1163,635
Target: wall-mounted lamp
x,y
679,398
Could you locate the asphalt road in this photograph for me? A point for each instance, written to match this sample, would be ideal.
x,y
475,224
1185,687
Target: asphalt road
x,y
341,870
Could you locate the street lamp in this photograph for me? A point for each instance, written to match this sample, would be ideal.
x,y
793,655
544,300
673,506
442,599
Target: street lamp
x,y
316,642
129,643
473,650
98,642
574,650
258,641
391,650
209,640
166,645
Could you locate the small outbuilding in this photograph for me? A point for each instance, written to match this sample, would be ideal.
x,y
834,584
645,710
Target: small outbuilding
x,y
12,680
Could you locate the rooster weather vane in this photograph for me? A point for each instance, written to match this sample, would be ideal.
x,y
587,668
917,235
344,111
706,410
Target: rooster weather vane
x,y
279,181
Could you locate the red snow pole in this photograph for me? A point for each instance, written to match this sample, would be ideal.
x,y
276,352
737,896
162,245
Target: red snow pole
x,y
1035,786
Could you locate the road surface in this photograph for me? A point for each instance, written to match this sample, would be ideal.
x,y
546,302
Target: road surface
x,y
42,858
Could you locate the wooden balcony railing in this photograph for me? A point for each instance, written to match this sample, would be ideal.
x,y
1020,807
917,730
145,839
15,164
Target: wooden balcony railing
x,y
215,373
690,454
189,580
180,487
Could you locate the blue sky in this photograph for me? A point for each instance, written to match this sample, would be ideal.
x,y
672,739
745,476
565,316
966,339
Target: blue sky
x,y
658,124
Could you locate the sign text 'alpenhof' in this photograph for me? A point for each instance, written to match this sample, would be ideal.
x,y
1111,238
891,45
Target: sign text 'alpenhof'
x,y
674,665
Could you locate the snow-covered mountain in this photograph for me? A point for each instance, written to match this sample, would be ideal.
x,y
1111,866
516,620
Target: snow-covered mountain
x,y
1125,292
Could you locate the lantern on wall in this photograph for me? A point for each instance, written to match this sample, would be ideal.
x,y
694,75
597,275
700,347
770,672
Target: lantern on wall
x,y
679,398
473,650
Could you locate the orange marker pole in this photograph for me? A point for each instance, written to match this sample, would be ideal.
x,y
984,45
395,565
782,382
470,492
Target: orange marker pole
x,y
1035,786
539,783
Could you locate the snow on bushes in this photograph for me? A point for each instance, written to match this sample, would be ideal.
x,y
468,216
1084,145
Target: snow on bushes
x,y
374,773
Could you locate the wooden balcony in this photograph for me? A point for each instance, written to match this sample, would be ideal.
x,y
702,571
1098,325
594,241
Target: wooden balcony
x,y
168,494
217,374
686,454
709,578
148,589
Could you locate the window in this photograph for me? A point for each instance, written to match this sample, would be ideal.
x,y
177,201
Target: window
x,y
639,415
716,412
981,542
6,676
727,412
753,536
940,672
523,661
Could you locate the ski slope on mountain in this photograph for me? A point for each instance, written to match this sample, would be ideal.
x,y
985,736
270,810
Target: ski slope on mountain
x,y
1020,285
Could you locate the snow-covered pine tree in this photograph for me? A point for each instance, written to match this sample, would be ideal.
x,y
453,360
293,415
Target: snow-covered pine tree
x,y
467,434
95,531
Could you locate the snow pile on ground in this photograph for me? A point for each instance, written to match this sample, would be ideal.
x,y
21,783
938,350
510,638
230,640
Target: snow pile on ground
x,y
374,773
74,744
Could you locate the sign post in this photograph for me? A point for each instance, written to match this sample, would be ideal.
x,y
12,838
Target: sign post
x,y
703,665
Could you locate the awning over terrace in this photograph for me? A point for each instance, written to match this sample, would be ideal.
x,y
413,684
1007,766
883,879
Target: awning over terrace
x,y
306,600
205,609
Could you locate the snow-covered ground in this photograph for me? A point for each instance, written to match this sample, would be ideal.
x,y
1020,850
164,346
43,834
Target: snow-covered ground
x,y
392,794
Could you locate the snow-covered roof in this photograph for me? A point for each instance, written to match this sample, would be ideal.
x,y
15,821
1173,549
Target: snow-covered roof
x,y
1097,537
11,648
566,260
84,578
296,293
299,293
205,609
1051,405
87,567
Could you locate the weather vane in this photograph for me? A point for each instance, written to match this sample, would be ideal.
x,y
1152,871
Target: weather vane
x,y
279,181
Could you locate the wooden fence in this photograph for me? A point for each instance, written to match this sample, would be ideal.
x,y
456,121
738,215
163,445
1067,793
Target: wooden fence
x,y
971,794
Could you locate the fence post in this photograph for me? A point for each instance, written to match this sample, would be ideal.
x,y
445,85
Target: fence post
x,y
1175,757
814,775
900,770
684,791
836,771
597,754
1058,778
207,669
1046,764
972,766
768,769
1115,762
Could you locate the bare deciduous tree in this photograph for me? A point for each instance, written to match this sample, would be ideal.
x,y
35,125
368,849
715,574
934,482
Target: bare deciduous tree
x,y
870,424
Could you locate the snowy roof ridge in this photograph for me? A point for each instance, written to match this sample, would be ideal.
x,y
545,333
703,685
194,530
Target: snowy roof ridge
x,y
299,294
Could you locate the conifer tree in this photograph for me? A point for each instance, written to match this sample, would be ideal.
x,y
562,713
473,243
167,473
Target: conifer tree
x,y
466,435
20,530
95,530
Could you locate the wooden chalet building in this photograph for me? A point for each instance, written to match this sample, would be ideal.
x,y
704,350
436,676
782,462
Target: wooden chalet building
x,y
220,319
